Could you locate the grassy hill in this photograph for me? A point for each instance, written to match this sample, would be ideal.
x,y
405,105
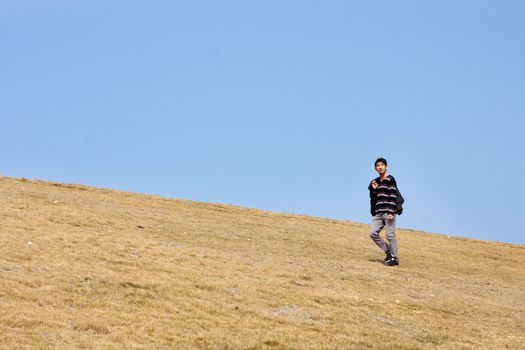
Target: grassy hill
x,y
83,267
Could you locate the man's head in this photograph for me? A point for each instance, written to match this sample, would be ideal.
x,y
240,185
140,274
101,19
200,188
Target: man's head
x,y
381,165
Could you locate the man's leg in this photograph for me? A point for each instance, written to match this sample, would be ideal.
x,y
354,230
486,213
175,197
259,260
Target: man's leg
x,y
391,236
377,225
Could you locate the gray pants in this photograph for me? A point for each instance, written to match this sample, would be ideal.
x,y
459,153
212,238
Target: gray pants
x,y
378,223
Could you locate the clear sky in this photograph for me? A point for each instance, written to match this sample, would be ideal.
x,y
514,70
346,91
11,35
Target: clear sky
x,y
278,105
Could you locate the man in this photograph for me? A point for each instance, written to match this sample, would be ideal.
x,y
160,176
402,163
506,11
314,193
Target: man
x,y
383,196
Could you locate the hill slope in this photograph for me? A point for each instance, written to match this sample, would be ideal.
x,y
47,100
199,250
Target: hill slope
x,y
82,267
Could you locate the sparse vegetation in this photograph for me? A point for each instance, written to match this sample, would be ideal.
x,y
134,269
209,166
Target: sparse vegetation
x,y
83,267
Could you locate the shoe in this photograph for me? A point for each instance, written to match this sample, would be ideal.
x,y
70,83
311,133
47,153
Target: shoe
x,y
392,262
388,256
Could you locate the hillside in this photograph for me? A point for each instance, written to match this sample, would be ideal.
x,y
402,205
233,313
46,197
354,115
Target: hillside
x,y
90,268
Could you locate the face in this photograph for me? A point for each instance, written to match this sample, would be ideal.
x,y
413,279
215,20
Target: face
x,y
380,168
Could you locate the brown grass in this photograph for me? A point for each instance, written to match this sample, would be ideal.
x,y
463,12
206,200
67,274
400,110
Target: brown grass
x,y
92,268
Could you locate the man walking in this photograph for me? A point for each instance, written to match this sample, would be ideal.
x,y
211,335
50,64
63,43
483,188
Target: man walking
x,y
383,203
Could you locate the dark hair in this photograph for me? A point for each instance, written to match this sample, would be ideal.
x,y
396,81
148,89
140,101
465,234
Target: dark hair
x,y
381,160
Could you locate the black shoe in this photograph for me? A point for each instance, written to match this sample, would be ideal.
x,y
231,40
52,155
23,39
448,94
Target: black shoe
x,y
388,256
392,262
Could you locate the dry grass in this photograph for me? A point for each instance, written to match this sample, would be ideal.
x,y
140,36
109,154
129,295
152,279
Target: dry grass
x,y
91,268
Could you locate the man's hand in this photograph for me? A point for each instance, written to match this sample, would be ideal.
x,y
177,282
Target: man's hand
x,y
374,185
390,217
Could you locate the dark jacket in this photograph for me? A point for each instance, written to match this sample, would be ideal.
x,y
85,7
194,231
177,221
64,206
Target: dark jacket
x,y
373,197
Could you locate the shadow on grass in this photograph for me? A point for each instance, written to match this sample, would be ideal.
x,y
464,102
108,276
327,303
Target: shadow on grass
x,y
379,261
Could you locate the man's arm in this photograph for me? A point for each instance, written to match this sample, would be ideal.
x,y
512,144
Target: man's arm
x,y
373,195
373,185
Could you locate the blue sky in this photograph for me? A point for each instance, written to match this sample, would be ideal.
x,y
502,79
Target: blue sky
x,y
278,105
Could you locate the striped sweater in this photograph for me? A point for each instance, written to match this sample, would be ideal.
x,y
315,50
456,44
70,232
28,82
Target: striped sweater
x,y
383,198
